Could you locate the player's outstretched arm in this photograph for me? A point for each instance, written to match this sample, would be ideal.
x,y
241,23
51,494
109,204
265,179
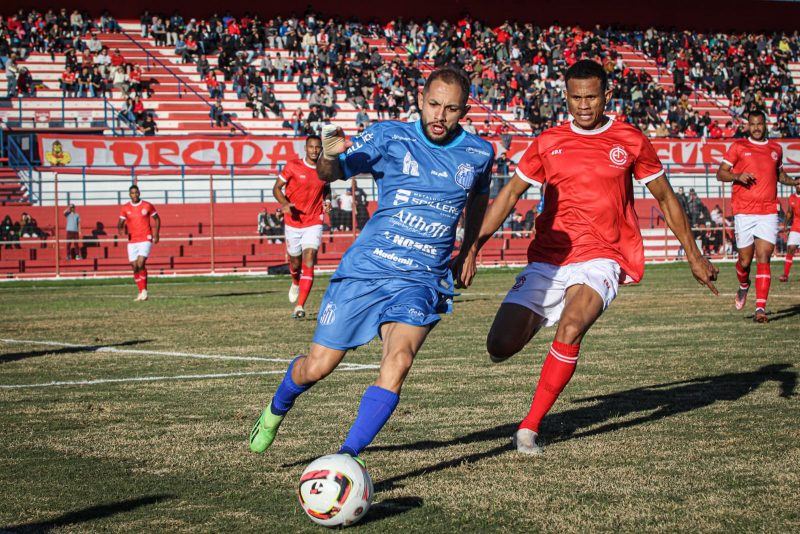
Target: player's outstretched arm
x,y
702,269
725,174
334,143
465,266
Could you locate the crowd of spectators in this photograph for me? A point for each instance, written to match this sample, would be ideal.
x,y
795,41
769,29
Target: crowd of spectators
x,y
515,67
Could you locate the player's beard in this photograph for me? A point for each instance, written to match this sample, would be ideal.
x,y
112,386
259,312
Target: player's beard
x,y
441,139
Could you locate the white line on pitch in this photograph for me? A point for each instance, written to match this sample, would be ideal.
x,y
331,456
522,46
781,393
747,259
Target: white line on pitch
x,y
148,379
103,348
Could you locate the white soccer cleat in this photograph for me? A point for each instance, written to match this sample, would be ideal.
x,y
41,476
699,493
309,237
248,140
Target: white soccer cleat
x,y
525,441
294,292
143,295
298,312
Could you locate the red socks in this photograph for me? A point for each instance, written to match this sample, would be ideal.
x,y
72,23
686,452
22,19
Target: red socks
x,y
295,274
557,370
306,281
743,276
141,279
763,278
787,266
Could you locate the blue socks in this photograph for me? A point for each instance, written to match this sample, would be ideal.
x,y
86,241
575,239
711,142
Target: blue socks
x,y
377,406
287,392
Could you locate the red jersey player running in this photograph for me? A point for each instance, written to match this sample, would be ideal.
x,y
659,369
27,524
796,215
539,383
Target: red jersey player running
x,y
793,227
587,237
304,201
136,216
754,165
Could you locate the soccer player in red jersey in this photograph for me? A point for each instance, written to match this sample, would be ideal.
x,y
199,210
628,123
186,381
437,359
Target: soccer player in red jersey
x,y
755,166
587,237
793,227
305,199
136,216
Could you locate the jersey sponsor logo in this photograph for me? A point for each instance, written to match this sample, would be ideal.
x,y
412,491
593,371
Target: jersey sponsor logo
x,y
519,283
402,196
618,155
556,152
478,151
748,154
392,257
465,175
356,145
419,225
401,138
410,165
407,242
367,137
440,174
405,196
328,315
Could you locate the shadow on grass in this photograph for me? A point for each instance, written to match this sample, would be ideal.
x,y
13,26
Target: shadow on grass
x,y
390,508
655,402
88,514
785,313
14,356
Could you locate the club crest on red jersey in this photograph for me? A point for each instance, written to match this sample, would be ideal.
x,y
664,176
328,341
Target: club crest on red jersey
x,y
774,155
618,155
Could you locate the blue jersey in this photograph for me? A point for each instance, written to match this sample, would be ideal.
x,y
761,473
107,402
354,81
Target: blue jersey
x,y
422,190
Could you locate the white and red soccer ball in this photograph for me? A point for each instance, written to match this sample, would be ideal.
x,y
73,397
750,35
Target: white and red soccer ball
x,y
335,490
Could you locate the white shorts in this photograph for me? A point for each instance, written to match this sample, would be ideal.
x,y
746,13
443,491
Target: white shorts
x,y
749,227
299,239
794,239
139,249
541,287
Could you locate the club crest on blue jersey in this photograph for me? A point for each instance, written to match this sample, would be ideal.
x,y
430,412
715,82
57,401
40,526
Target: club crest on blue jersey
x,y
465,175
328,315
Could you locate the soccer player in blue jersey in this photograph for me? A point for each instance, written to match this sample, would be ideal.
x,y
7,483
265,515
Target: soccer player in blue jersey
x,y
395,279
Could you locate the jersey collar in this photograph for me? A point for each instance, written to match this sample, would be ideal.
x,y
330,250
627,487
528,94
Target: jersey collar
x,y
578,130
137,204
759,143
454,142
307,164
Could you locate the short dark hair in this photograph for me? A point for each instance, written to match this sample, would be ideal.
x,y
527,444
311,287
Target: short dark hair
x,y
757,113
312,137
134,186
585,69
450,75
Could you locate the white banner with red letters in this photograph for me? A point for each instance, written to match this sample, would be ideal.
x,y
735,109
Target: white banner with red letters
x,y
254,154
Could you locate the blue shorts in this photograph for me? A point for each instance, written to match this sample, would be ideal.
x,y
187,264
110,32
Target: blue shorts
x,y
352,311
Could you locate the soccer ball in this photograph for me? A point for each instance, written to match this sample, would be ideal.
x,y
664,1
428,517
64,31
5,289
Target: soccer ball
x,y
335,490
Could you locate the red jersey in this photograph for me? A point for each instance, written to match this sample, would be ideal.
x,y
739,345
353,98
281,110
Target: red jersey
x,y
304,189
137,217
794,202
763,160
588,206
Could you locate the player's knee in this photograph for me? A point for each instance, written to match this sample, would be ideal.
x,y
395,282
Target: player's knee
x,y
501,347
315,370
570,331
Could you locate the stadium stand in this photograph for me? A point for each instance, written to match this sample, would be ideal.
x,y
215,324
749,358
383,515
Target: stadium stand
x,y
227,78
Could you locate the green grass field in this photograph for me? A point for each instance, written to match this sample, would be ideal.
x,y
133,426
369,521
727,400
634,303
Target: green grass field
x,y
682,416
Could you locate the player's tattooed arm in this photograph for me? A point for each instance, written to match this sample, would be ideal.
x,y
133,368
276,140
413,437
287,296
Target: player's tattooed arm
x,y
702,269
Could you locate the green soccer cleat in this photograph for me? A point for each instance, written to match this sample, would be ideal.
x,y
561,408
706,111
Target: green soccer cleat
x,y
264,431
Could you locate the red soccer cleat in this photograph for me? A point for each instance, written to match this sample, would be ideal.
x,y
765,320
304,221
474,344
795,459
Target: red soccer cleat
x,y
760,316
741,298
